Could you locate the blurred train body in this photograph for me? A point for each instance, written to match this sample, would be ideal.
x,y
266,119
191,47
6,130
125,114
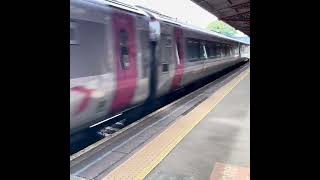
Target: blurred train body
x,y
122,55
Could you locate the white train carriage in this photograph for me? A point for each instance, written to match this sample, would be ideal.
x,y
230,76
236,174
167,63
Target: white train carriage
x,y
122,55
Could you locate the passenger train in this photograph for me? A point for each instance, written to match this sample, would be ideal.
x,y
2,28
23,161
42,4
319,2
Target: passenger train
x,y
123,55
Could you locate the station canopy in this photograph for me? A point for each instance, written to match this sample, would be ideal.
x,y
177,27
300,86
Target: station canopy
x,y
236,13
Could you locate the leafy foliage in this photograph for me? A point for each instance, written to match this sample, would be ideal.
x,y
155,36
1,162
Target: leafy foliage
x,y
221,27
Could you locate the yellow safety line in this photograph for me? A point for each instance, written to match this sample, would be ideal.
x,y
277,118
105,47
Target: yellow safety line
x,y
149,156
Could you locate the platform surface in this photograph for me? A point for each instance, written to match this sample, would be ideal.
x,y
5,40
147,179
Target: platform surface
x,y
207,129
223,136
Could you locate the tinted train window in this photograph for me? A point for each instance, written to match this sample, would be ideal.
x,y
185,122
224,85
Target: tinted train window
x,y
233,50
218,50
236,50
203,53
230,51
193,50
207,45
124,50
165,67
224,50
227,50
244,49
73,33
247,49
211,49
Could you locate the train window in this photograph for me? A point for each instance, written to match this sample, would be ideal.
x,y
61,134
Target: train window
x,y
124,50
227,51
193,50
166,52
207,46
211,49
242,48
203,53
247,50
233,51
73,34
165,67
89,58
236,50
167,48
218,50
224,50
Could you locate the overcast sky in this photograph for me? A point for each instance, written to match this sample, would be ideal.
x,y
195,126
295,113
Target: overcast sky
x,y
184,10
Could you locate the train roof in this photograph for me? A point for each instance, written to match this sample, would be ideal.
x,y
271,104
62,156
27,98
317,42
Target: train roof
x,y
159,16
119,5
175,21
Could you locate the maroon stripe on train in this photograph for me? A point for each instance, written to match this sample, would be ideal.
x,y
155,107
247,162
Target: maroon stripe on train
x,y
179,67
126,79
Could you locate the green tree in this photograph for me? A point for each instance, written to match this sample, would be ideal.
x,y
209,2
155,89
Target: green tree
x,y
221,27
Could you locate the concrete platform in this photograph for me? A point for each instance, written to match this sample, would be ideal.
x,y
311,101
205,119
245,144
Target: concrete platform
x,y
223,136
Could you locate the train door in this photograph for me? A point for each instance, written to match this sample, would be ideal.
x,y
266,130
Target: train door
x,y
165,65
124,59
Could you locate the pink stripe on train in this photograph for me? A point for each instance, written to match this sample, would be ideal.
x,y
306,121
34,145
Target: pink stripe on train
x,y
176,82
126,79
